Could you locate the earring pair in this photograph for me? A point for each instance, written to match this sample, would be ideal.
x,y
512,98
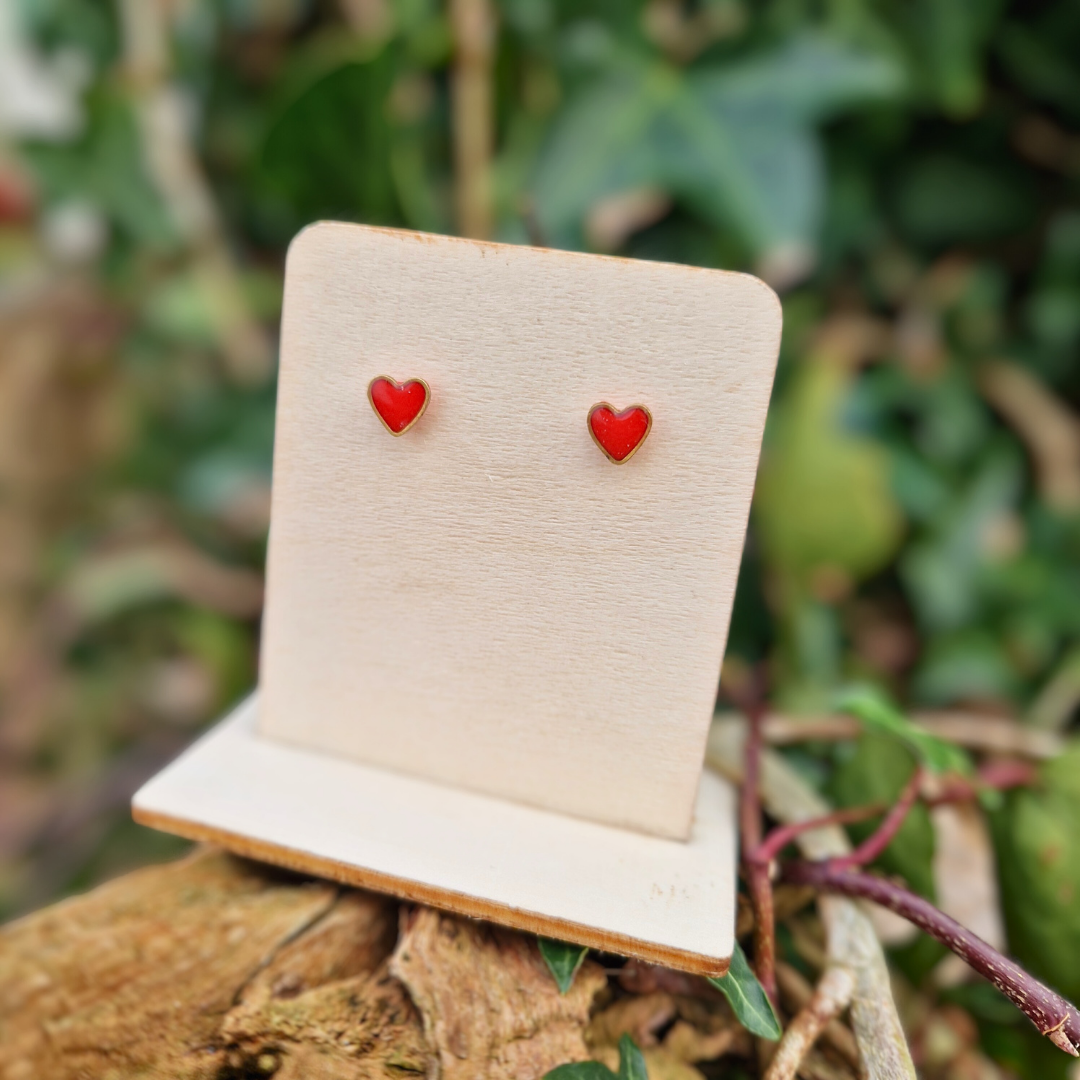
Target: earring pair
x,y
618,434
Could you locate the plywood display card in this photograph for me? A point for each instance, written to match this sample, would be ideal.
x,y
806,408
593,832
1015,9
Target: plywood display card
x,y
489,603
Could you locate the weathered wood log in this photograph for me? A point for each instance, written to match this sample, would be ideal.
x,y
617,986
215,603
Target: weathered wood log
x,y
215,968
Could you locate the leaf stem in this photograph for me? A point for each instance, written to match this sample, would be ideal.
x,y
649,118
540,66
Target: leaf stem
x,y
1051,1014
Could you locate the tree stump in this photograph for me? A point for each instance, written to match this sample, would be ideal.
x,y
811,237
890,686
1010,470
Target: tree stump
x,y
216,968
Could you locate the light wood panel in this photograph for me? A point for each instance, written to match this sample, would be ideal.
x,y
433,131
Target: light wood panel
x,y
666,901
487,601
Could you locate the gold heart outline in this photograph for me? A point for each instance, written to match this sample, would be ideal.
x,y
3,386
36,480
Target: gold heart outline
x,y
611,408
401,385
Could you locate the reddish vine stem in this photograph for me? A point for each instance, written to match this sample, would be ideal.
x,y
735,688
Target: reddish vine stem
x,y
1051,1014
999,776
783,835
757,871
880,839
994,775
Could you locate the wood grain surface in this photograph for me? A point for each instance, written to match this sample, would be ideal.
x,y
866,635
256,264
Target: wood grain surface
x,y
661,900
487,601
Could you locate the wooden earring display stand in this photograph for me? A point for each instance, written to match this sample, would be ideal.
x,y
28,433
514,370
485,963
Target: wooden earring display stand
x,y
489,654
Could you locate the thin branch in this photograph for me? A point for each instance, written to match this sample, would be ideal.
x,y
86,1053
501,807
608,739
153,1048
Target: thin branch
x,y
993,775
473,23
1045,424
782,835
831,996
795,994
851,939
975,731
1051,1014
879,840
998,775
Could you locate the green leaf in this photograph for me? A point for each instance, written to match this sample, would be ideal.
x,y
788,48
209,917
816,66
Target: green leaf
x,y
1037,842
631,1065
581,1070
876,773
631,1061
945,198
736,143
604,142
954,38
563,960
327,153
823,495
810,78
945,569
746,168
873,708
747,998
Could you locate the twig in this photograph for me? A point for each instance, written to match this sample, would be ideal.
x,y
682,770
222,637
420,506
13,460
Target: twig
x,y
473,24
991,734
795,993
850,934
998,775
1053,707
1051,1014
994,775
176,172
755,869
1045,424
783,835
830,998
880,839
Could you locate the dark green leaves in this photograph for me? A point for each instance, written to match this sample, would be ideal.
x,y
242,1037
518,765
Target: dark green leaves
x,y
737,144
563,960
326,153
739,986
747,998
631,1066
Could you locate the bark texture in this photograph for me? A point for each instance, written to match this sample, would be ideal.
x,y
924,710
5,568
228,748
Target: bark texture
x,y
213,968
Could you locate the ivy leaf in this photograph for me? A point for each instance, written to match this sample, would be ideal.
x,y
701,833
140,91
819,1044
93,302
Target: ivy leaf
x,y
631,1066
873,708
563,960
581,1070
747,998
631,1061
738,144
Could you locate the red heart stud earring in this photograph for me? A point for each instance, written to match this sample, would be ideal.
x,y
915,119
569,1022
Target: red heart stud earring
x,y
398,405
619,434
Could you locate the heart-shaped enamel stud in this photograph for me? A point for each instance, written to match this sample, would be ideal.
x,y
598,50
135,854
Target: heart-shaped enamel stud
x,y
398,405
619,434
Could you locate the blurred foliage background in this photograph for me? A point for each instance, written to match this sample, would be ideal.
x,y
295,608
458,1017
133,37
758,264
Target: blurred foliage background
x,y
904,172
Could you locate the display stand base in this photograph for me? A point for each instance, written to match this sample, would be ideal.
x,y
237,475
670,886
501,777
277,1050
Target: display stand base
x,y
664,901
